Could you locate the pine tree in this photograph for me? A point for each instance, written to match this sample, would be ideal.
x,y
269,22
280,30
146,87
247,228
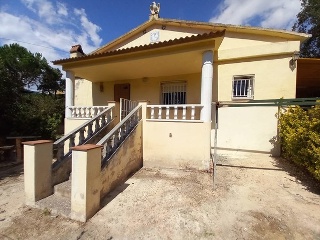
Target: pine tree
x,y
308,21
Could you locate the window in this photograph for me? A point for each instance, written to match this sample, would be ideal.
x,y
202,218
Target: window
x,y
173,92
242,87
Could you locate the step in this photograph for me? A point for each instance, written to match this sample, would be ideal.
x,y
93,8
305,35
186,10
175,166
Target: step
x,y
57,205
63,189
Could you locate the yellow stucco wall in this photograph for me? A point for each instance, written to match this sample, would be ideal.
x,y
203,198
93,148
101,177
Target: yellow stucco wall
x,y
149,89
247,129
273,77
176,144
170,32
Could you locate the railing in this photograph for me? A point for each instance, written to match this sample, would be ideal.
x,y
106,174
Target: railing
x,y
179,112
83,134
126,106
117,135
86,111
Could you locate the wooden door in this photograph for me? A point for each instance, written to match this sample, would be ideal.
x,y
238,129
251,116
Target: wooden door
x,y
121,91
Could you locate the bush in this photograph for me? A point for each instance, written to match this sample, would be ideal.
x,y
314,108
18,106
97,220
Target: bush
x,y
300,137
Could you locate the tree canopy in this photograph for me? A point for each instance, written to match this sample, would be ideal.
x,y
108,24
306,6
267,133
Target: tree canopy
x,y
20,71
308,21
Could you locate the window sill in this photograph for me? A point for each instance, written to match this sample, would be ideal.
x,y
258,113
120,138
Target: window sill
x,y
241,99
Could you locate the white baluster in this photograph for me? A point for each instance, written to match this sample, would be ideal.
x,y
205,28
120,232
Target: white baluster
x,y
167,112
87,112
192,112
78,111
83,112
184,113
160,113
72,109
175,112
152,112
94,111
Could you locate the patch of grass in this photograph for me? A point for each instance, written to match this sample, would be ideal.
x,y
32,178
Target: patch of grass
x,y
46,212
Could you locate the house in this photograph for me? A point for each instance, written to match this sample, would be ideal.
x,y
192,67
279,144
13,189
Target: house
x,y
166,94
182,68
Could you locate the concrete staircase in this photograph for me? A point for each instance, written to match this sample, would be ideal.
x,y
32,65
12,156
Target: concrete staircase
x,y
58,203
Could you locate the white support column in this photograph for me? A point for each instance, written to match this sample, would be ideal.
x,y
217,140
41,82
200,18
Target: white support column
x,y
69,93
206,86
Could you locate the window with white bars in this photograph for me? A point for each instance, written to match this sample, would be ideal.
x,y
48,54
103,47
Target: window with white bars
x,y
173,92
242,87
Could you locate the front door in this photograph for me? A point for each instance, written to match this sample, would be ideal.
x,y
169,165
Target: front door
x,y
121,91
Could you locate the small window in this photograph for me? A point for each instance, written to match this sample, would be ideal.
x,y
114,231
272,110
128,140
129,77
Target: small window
x,y
173,92
242,87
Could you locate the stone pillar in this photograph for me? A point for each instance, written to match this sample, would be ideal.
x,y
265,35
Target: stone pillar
x,y
143,104
206,86
85,182
69,94
111,103
37,170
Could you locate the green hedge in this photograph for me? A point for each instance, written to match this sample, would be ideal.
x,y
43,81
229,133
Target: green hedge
x,y
300,137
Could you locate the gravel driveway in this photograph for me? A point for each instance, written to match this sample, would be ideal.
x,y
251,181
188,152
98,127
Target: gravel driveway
x,y
256,197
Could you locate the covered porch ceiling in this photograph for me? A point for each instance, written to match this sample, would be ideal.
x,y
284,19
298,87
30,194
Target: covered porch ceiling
x,y
174,57
147,67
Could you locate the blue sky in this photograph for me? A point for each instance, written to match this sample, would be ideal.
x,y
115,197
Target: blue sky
x,y
51,27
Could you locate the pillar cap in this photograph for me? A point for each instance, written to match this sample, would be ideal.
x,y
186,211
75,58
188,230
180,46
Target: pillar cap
x,y
37,142
86,147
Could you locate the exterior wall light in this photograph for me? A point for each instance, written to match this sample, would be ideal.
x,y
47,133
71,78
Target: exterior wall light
x,y
101,87
295,57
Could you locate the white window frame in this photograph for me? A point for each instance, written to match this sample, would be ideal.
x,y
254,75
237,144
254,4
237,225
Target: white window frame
x,y
173,93
245,85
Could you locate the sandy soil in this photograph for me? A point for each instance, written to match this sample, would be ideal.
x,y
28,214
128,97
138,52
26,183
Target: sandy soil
x,y
255,197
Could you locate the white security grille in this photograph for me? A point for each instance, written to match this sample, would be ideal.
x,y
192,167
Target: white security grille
x,y
242,87
173,92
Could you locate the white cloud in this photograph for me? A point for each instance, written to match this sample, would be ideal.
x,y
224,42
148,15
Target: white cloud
x,y
62,9
90,28
266,13
47,29
44,9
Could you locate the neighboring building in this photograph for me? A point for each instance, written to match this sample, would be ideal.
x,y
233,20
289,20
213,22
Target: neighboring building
x,y
169,62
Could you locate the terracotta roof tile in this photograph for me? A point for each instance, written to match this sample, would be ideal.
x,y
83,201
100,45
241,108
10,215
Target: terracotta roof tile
x,y
172,42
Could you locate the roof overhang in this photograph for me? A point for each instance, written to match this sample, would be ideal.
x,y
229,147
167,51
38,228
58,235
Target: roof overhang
x,y
174,57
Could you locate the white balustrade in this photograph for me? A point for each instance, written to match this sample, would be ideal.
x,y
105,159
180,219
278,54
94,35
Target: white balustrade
x,y
86,111
84,133
178,112
126,106
116,136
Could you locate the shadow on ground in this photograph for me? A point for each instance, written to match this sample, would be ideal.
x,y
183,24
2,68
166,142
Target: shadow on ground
x,y
113,194
11,170
300,174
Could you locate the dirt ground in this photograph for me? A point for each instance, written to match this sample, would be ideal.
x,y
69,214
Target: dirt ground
x,y
255,197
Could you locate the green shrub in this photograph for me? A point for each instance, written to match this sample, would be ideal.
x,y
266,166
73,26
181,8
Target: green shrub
x,y
300,137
